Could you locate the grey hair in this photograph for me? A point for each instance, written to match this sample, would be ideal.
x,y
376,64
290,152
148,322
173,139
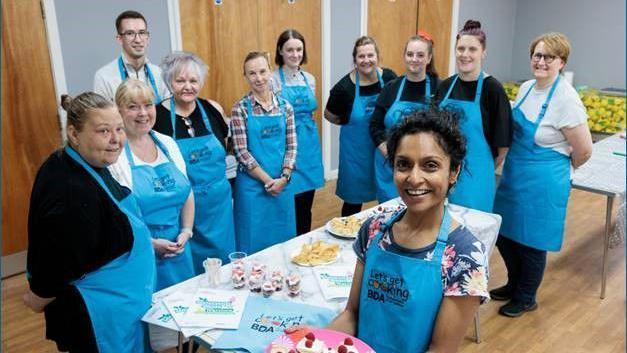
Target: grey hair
x,y
175,62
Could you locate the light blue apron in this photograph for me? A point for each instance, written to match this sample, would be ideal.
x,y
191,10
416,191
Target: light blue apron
x,y
263,220
475,186
401,295
355,182
214,234
119,293
265,319
161,192
308,171
533,191
384,176
147,71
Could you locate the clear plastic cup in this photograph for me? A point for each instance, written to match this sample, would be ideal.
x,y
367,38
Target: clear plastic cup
x,y
238,260
212,271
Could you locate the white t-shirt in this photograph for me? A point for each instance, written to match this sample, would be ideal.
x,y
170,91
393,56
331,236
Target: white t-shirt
x,y
565,111
292,80
121,170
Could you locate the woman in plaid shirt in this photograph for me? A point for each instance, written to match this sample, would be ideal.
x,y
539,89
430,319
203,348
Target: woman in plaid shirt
x,y
264,139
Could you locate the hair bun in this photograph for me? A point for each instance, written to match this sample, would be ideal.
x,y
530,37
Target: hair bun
x,y
66,101
471,24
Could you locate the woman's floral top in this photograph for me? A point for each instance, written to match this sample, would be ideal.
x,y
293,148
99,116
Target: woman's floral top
x,y
464,262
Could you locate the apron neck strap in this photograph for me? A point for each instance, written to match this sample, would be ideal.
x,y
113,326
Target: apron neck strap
x,y
548,99
379,77
400,89
158,143
151,78
77,157
203,113
479,87
427,89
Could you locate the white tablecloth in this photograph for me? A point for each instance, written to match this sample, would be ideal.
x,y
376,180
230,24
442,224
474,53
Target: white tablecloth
x,y
483,225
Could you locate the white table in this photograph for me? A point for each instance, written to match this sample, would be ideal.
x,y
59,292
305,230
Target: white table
x,y
604,174
484,225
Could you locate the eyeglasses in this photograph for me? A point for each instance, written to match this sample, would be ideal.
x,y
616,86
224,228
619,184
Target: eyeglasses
x,y
131,35
190,129
548,58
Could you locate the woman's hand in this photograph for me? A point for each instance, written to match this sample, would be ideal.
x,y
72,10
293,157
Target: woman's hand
x,y
165,248
181,240
35,302
275,187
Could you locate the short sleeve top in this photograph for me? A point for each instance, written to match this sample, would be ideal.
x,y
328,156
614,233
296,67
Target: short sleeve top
x,y
342,95
565,110
464,262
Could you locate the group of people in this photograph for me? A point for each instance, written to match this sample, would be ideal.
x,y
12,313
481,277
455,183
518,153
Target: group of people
x,y
139,196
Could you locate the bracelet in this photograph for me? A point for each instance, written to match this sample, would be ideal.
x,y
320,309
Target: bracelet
x,y
187,230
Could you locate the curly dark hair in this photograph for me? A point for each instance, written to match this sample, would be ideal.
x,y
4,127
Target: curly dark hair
x,y
443,124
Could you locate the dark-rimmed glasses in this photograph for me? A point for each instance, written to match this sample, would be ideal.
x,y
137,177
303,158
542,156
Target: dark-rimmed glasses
x,y
548,58
131,35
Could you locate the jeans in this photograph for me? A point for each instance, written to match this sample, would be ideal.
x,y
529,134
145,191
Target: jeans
x,y
525,268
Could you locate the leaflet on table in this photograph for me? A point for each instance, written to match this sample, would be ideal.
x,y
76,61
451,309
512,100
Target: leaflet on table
x,y
335,281
177,304
220,309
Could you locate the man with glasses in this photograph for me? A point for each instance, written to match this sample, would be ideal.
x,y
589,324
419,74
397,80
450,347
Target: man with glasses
x,y
134,38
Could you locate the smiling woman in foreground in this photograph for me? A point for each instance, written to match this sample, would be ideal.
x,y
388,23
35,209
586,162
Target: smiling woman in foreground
x,y
419,272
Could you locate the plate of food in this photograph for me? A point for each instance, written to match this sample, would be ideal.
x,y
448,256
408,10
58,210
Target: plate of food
x,y
316,254
344,227
308,340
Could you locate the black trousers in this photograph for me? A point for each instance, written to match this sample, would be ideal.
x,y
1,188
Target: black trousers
x,y
525,268
349,209
303,203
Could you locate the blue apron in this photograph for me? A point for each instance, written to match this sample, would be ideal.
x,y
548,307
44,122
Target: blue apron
x,y
265,319
475,186
119,293
147,72
401,295
308,172
534,187
214,234
355,182
384,176
262,219
161,192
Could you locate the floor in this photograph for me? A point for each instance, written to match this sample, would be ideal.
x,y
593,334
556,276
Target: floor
x,y
570,318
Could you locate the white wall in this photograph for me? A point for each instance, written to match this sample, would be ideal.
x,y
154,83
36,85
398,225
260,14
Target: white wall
x,y
497,19
596,30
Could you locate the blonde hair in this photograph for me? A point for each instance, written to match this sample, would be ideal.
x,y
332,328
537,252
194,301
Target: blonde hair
x,y
557,44
133,90
79,107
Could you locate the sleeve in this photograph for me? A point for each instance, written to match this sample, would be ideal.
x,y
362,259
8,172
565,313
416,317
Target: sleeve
x,y
340,103
500,114
218,124
441,90
55,252
312,82
275,82
290,137
377,120
240,141
101,86
121,170
360,245
572,111
175,152
388,75
465,266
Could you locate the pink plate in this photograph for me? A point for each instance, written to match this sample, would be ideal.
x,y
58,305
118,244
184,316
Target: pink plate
x,y
332,339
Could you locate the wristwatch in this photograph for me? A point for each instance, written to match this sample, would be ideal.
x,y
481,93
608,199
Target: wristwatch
x,y
287,176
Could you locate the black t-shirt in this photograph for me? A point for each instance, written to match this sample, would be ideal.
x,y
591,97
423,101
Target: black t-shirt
x,y
342,95
413,92
74,228
496,112
163,124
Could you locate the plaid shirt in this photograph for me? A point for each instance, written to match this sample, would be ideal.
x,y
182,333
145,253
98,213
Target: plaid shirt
x,y
239,117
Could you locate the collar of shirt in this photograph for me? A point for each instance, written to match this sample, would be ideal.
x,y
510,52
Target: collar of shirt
x,y
273,107
130,67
